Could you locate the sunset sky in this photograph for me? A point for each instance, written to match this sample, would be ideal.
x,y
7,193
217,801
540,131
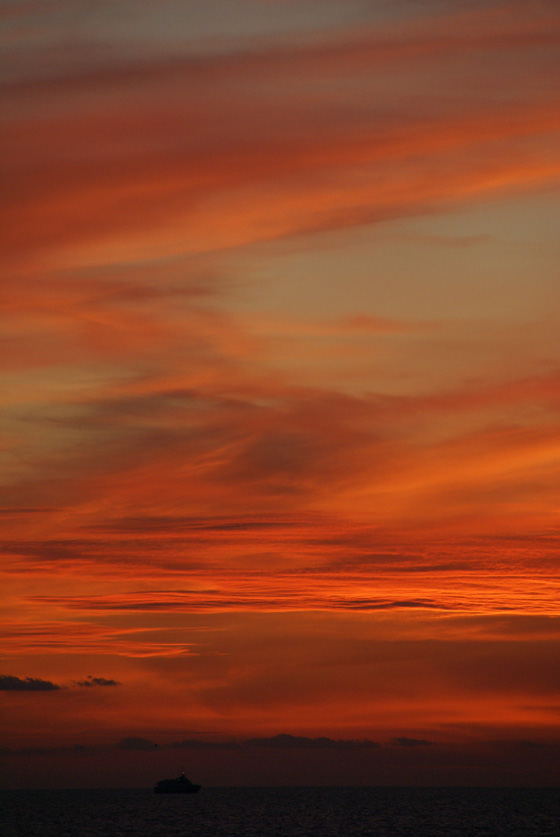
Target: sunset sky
x,y
281,383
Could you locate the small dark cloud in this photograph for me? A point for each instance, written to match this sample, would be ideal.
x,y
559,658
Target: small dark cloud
x,y
524,744
410,742
9,683
284,741
136,744
96,681
531,745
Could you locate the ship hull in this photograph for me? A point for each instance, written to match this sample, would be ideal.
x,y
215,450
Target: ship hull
x,y
191,789
179,785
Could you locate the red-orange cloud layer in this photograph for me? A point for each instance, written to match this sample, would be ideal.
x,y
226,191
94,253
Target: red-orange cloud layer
x,y
194,147
280,381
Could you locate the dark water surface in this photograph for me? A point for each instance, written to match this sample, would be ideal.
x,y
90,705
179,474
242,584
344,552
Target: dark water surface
x,y
302,812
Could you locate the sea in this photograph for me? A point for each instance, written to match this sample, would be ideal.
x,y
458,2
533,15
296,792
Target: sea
x,y
284,812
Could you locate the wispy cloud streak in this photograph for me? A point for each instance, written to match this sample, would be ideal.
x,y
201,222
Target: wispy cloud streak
x,y
280,377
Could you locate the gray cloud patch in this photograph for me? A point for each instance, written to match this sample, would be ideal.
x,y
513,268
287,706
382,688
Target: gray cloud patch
x,y
9,683
96,681
410,742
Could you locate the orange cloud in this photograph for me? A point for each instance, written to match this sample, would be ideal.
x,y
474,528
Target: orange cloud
x,y
86,638
254,511
126,151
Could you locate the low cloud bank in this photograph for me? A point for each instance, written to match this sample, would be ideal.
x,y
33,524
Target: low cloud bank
x,y
10,683
285,741
136,744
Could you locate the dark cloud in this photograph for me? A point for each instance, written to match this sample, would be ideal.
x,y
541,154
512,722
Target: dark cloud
x,y
16,512
357,50
75,749
284,741
96,681
48,551
379,604
191,601
9,683
136,744
403,741
195,744
524,744
167,523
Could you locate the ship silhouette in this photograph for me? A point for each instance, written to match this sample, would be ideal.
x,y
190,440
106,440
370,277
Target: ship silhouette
x,y
179,785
